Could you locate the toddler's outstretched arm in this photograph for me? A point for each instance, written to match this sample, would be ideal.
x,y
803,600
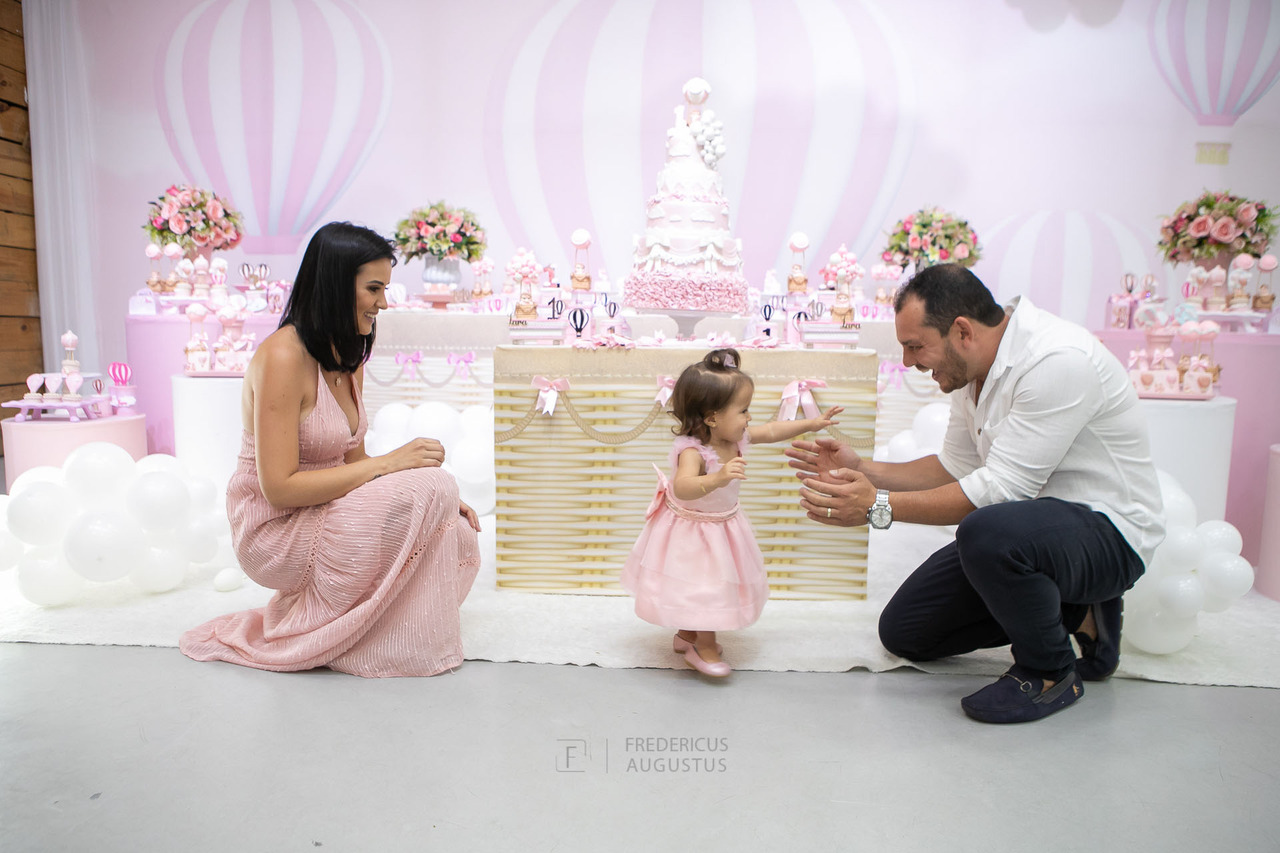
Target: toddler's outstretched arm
x,y
691,484
783,430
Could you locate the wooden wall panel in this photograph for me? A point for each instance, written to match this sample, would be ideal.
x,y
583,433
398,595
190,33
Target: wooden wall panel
x,y
21,351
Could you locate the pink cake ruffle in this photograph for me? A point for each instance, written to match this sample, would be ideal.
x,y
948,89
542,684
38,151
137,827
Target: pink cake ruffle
x,y
681,291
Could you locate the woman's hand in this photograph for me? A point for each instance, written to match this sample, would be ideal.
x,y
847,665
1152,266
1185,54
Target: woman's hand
x,y
470,515
418,453
824,454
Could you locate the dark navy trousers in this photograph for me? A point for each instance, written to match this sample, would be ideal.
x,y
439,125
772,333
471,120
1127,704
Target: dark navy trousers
x,y
1020,573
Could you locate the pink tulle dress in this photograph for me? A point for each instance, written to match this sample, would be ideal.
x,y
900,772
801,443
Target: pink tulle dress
x,y
369,583
696,564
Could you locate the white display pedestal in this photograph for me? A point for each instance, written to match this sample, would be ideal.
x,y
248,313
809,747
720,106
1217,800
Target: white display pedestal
x,y
206,425
1191,440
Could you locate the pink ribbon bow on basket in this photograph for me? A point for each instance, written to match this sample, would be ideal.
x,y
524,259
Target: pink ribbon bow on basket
x,y
1161,357
461,363
1138,359
666,384
1201,362
549,391
798,396
409,360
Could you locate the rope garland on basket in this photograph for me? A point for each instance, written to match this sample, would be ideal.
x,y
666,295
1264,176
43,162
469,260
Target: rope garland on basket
x,y
460,364
619,438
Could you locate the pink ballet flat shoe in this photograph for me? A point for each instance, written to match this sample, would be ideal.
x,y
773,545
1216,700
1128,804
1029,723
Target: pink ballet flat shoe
x,y
718,669
680,645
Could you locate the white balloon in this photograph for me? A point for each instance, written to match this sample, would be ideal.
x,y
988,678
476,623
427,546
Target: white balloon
x,y
159,570
228,579
1142,596
103,544
472,459
225,555
159,500
1219,536
903,448
1180,595
476,421
392,423
1215,603
208,524
99,470
1159,633
38,474
198,543
204,494
11,549
161,462
1179,509
38,515
1226,576
1181,549
45,579
437,420
480,495
1168,483
929,426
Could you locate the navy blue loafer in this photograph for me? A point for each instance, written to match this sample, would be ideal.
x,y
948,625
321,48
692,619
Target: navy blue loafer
x,y
1100,657
1019,697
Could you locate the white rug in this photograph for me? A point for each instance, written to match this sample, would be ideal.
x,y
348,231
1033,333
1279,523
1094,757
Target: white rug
x,y
1239,647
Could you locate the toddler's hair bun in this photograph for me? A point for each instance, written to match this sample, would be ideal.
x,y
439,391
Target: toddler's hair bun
x,y
723,359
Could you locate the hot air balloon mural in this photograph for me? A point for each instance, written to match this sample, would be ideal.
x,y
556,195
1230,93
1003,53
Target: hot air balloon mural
x,y
1218,56
276,105
817,101
1065,261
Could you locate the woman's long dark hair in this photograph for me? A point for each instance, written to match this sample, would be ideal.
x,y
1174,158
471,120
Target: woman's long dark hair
x,y
322,305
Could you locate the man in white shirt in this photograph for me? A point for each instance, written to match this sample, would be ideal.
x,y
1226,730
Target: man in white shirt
x,y
1045,468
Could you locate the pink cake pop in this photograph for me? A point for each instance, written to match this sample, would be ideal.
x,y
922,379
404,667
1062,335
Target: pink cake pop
x,y
1267,263
1243,262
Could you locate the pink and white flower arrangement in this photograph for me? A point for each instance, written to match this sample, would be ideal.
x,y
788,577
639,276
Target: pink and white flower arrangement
x,y
842,266
442,232
1214,224
932,235
194,218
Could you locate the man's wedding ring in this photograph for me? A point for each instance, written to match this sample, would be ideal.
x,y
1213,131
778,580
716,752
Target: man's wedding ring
x,y
828,512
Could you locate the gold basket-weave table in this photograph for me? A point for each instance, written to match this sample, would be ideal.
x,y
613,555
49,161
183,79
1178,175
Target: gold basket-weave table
x,y
573,486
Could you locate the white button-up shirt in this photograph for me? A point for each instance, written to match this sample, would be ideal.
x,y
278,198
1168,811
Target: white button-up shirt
x,y
1057,417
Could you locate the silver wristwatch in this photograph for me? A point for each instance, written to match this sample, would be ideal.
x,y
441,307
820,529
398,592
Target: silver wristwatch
x,y
880,516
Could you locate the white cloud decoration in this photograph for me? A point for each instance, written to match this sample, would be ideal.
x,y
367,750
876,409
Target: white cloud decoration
x,y
102,517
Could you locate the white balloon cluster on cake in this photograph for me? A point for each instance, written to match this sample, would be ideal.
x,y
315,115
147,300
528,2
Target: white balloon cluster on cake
x,y
102,517
1197,567
467,437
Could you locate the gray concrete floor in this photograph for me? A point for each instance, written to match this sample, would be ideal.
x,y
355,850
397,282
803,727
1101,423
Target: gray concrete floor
x,y
139,749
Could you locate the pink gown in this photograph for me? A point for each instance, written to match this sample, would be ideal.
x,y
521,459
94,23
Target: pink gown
x,y
696,564
369,583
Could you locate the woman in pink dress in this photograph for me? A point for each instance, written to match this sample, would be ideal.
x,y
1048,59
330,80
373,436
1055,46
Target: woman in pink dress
x,y
371,556
696,565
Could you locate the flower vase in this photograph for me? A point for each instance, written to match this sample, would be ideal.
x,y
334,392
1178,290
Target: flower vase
x,y
441,271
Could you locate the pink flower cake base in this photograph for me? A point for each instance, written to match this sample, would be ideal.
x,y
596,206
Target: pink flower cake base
x,y
679,291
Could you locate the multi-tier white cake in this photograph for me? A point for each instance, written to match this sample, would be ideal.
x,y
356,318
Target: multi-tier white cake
x,y
688,259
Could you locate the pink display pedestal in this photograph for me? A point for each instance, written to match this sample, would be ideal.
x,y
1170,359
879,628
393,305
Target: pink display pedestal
x,y
1267,579
1250,364
49,441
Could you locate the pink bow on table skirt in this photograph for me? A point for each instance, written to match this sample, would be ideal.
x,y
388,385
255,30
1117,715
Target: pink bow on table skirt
x,y
797,395
666,384
409,360
461,363
895,369
549,391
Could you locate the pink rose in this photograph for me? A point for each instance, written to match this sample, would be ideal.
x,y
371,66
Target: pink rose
x,y
908,222
199,238
962,251
177,224
217,237
457,238
944,254
168,209
215,209
1225,230
913,241
185,198
233,237
887,256
1247,213
1200,227
157,222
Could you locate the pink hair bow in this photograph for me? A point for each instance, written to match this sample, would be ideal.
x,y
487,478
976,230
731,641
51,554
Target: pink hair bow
x,y
666,384
549,391
411,360
1138,358
461,362
797,395
1161,356
895,371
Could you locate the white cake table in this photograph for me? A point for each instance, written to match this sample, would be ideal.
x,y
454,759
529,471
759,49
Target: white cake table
x,y
1191,440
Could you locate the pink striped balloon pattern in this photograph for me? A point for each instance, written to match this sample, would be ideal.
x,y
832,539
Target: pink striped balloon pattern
x,y
1067,261
1218,56
576,123
276,105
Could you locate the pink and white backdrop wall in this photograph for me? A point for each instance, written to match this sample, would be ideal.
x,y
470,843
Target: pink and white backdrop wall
x,y
1062,129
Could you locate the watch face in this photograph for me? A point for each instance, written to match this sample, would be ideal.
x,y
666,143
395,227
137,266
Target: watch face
x,y
880,517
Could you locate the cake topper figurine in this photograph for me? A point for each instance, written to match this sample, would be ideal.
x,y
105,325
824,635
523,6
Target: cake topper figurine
x,y
581,240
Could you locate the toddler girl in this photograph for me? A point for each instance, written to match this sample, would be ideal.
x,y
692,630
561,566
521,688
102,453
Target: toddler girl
x,y
696,565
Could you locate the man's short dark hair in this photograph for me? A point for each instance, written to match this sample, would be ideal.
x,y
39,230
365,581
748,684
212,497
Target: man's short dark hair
x,y
322,305
949,291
